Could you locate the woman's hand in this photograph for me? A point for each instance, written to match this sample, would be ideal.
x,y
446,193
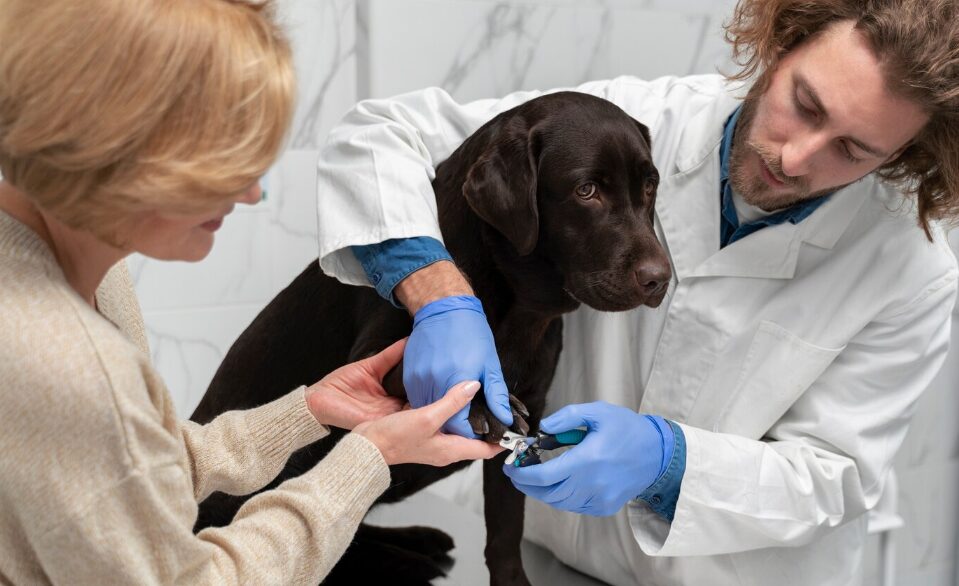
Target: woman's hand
x,y
354,393
412,435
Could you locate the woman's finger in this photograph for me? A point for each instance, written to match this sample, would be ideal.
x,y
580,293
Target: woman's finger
x,y
457,448
457,397
380,364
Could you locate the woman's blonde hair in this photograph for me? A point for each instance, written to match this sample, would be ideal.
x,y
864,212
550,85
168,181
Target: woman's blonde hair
x,y
917,44
113,107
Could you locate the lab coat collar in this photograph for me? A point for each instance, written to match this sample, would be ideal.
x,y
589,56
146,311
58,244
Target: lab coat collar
x,y
701,136
688,212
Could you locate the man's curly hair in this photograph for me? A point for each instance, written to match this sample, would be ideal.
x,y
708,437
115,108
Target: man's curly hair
x,y
917,45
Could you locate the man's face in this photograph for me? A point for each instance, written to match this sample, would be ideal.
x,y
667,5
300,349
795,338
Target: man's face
x,y
825,120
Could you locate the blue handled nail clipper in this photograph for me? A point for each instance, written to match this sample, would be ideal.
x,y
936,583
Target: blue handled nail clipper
x,y
526,451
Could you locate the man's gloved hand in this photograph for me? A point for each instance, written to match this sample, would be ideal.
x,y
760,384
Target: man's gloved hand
x,y
623,454
452,342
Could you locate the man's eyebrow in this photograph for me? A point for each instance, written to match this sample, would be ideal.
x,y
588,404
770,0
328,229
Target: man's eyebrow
x,y
807,89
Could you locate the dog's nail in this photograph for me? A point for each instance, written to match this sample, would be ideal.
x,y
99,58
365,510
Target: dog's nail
x,y
521,426
518,406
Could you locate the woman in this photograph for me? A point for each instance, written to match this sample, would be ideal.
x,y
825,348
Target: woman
x,y
136,126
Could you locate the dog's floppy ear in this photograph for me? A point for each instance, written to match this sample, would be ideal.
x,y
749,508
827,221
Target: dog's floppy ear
x,y
501,185
644,130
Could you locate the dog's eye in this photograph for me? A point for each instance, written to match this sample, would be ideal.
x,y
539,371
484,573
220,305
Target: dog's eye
x,y
586,190
651,185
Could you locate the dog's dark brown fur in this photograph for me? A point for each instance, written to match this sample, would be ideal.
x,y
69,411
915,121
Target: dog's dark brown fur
x,y
534,242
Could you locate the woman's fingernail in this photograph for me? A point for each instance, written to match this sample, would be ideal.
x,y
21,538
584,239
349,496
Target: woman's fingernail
x,y
470,388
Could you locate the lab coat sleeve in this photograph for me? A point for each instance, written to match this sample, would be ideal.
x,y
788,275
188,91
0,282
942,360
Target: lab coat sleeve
x,y
824,462
374,174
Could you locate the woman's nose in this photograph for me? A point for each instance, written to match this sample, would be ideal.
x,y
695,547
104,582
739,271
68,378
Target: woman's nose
x,y
253,195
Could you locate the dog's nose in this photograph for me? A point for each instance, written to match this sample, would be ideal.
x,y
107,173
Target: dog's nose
x,y
653,276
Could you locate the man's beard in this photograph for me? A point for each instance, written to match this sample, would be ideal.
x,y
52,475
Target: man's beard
x,y
751,186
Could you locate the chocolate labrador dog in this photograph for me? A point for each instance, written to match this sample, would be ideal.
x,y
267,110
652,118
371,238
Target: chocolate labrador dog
x,y
547,206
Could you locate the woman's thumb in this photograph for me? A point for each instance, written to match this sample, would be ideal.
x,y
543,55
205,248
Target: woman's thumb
x,y
381,363
457,397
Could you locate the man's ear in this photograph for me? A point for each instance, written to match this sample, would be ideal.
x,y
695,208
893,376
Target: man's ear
x,y
501,185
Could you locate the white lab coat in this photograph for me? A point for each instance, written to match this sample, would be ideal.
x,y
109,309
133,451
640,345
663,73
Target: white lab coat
x,y
792,358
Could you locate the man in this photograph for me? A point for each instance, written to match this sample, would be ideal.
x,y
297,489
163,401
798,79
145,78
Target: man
x,y
752,418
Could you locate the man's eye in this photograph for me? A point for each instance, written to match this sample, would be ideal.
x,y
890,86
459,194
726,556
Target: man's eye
x,y
805,110
844,148
586,190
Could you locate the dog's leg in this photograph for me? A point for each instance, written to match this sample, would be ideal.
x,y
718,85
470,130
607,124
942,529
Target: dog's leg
x,y
504,505
503,508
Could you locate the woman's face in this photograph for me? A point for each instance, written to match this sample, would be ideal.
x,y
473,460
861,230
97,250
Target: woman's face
x,y
187,237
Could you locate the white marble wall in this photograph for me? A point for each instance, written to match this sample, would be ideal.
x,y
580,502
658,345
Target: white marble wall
x,y
350,49
480,48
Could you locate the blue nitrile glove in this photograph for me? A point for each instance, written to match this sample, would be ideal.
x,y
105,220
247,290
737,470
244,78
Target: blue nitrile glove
x,y
623,453
452,342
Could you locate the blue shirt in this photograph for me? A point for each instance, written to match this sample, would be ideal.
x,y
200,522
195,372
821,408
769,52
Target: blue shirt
x,y
391,261
730,229
662,494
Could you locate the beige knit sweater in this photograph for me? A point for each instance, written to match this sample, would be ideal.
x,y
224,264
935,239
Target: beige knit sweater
x,y
99,481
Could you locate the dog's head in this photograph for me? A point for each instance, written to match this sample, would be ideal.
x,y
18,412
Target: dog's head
x,y
569,177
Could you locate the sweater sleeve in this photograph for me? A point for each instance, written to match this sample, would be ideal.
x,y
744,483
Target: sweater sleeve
x,y
239,452
139,531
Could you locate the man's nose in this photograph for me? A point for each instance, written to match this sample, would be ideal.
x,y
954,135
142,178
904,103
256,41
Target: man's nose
x,y
799,152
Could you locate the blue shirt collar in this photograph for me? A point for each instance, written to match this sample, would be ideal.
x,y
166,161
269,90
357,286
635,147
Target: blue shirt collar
x,y
729,130
730,230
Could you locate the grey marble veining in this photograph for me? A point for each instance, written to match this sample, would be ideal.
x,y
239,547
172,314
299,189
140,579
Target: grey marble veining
x,y
177,355
323,35
486,49
293,218
521,26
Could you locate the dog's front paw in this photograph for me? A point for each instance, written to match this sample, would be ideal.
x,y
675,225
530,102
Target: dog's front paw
x,y
488,427
428,541
402,556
